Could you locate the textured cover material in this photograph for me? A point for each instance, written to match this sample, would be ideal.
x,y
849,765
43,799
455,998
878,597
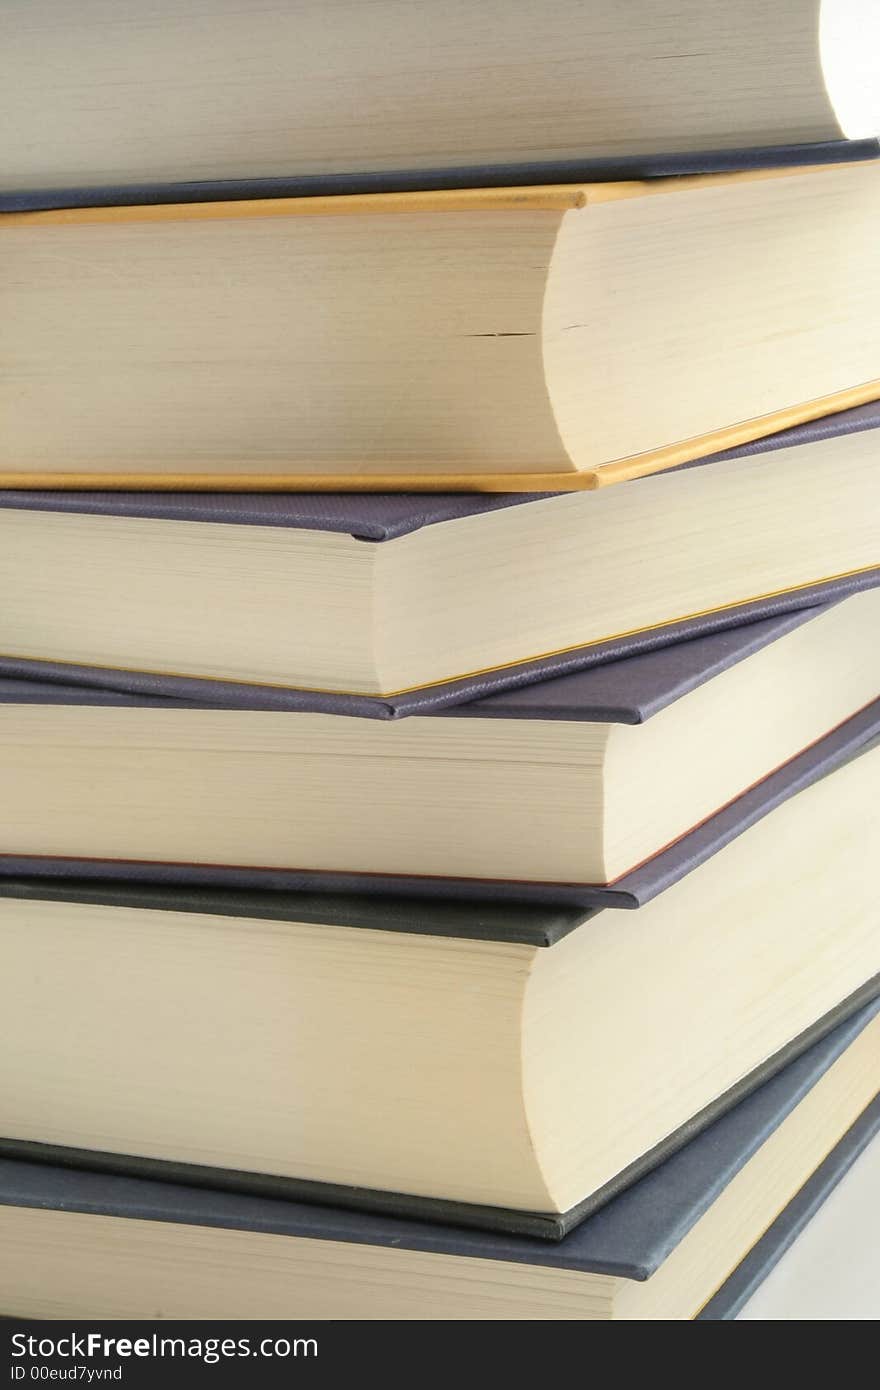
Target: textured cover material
x,y
628,691
219,694
631,890
503,922
466,176
629,1237
738,1289
748,1275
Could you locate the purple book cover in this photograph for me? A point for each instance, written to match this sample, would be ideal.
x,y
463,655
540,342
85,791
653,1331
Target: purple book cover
x,y
627,691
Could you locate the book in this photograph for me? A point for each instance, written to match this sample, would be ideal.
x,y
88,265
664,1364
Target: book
x,y
433,1058
632,889
614,764
558,337
830,1269
693,1238
317,89
377,598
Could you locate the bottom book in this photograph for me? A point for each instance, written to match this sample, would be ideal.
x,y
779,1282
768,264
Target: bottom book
x,y
692,1239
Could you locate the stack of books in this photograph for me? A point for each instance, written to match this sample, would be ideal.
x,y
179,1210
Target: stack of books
x,y
440,686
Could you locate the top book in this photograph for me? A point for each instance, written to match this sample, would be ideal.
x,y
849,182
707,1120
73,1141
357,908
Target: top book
x,y
179,91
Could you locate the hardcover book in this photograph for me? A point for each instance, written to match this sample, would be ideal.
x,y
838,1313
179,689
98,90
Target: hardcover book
x,y
829,1265
439,599
429,1057
336,343
622,766
325,89
693,1238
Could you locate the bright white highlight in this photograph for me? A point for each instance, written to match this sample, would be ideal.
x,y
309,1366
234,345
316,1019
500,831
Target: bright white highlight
x,y
849,43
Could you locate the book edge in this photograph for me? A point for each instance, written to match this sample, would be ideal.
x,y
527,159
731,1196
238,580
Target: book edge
x,y
599,168
535,197
750,1273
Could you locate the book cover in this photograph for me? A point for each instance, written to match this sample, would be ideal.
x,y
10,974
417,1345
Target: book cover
x,y
736,1291
512,175
627,691
465,691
